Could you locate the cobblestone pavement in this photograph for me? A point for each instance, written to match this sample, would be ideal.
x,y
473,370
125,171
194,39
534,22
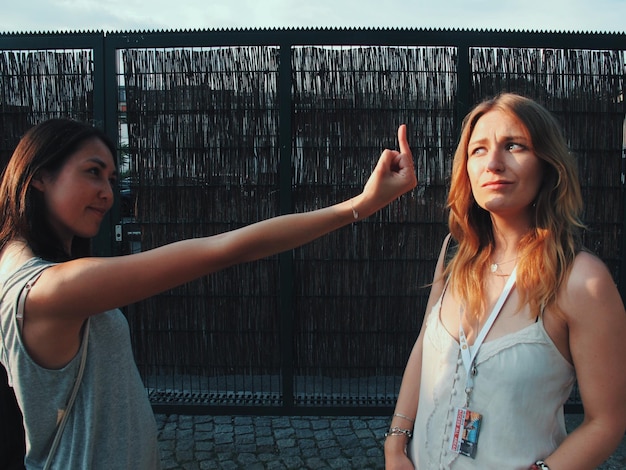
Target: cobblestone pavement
x,y
286,442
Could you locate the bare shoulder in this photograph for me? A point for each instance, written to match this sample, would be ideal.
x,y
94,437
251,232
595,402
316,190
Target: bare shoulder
x,y
438,279
589,276
14,255
590,289
445,255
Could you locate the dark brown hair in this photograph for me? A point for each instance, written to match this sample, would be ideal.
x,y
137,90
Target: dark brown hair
x,y
46,146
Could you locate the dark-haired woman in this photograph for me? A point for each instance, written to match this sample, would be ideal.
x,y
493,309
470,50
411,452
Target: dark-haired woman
x,y
59,313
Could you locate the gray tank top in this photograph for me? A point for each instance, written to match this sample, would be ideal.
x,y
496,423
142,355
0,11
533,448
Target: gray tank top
x,y
111,425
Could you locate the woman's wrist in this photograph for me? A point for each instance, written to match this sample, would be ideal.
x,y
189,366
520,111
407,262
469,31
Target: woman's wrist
x,y
395,444
362,206
355,212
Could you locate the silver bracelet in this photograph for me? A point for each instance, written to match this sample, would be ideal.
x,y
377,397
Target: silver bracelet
x,y
400,415
355,213
396,431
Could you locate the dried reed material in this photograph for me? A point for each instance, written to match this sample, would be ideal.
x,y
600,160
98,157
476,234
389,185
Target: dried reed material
x,y
203,157
38,85
584,89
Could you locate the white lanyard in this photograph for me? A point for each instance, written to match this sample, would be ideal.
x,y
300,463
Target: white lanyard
x,y
468,353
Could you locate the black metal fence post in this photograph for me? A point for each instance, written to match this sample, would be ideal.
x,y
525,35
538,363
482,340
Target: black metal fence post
x,y
286,206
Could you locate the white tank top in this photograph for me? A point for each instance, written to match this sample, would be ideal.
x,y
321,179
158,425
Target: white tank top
x,y
521,385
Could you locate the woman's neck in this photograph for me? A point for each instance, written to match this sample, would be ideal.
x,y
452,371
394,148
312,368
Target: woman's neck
x,y
507,237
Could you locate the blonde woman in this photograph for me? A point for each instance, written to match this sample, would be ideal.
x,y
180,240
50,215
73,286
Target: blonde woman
x,y
519,313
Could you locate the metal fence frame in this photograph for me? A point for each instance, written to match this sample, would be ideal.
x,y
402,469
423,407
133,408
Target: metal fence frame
x,y
106,45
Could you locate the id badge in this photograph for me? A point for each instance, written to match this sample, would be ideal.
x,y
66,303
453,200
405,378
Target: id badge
x,y
464,439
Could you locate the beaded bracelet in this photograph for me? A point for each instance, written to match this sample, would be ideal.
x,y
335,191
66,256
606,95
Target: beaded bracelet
x,y
396,431
539,465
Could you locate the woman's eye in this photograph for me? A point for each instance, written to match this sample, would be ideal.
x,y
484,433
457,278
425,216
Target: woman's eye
x,y
477,151
512,146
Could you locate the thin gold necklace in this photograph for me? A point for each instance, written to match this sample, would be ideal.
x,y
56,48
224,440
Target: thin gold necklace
x,y
495,266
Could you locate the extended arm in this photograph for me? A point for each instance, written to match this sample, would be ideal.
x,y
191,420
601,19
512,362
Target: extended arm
x,y
69,292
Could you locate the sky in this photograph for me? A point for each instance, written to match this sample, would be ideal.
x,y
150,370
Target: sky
x,y
30,16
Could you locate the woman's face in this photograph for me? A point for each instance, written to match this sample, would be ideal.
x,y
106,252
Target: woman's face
x,y
504,172
80,194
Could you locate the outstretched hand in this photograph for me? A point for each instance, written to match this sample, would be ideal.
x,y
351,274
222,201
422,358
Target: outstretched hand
x,y
393,176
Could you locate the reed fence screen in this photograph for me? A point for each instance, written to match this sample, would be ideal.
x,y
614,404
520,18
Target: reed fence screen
x,y
39,85
215,137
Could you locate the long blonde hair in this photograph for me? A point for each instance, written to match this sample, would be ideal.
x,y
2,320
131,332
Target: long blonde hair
x,y
547,252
